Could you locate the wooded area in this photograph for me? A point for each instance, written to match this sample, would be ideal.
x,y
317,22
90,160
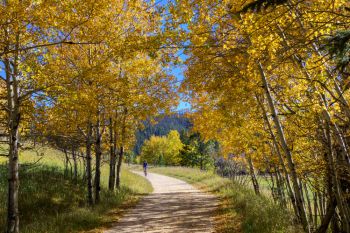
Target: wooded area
x,y
267,80
80,74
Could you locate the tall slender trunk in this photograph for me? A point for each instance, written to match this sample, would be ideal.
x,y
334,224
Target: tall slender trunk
x,y
280,188
88,164
13,177
98,153
279,155
294,178
343,205
13,116
121,152
330,211
334,189
66,163
119,165
273,185
75,164
84,167
321,204
13,181
252,176
316,212
112,156
306,191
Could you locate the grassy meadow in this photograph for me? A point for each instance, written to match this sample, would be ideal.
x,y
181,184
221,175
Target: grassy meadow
x,y
240,210
49,201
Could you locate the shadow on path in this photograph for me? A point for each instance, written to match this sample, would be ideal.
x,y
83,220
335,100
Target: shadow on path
x,y
174,206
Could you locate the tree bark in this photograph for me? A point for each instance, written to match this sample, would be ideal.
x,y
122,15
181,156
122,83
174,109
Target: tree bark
x,y
342,203
13,182
315,208
121,152
334,188
98,153
84,167
75,165
306,191
88,164
328,217
252,175
13,178
294,178
280,189
13,116
112,158
279,154
66,163
119,165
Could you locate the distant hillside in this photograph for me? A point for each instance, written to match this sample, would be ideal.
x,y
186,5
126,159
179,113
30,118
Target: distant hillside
x,y
165,124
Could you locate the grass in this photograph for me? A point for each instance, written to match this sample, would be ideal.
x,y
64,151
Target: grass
x,y
51,202
240,210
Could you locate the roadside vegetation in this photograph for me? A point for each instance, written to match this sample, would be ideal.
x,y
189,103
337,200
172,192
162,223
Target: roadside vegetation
x,y
183,148
267,82
51,201
240,210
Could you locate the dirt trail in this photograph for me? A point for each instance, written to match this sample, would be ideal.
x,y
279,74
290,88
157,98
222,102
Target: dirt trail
x,y
174,206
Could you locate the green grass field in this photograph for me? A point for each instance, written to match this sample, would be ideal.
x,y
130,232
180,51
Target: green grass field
x,y
51,202
241,210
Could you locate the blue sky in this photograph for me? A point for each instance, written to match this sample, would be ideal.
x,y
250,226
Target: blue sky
x,y
183,105
178,72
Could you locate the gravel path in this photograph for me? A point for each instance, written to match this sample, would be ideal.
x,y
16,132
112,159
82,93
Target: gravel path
x,y
174,206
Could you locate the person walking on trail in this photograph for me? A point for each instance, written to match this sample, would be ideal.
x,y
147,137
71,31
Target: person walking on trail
x,y
145,165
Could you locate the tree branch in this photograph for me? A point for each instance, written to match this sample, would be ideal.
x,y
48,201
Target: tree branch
x,y
47,45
